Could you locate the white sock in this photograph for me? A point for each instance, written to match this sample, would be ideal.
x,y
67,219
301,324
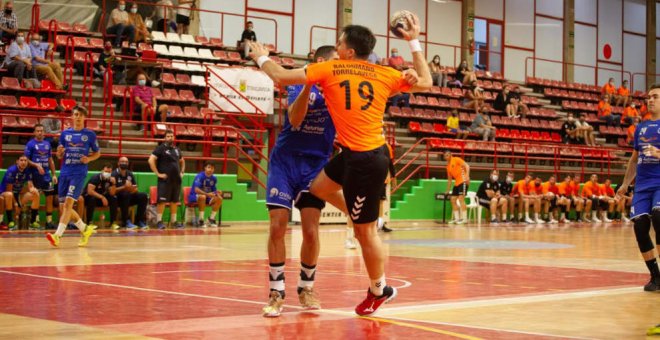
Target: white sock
x,y
60,229
201,215
536,216
562,216
173,218
457,215
306,275
212,216
49,218
276,276
160,217
80,224
350,233
526,214
377,286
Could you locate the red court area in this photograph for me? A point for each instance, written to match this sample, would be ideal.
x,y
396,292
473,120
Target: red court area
x,y
201,299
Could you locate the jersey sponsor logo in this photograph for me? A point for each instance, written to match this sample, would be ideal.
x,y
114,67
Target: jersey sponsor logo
x,y
274,192
84,138
68,138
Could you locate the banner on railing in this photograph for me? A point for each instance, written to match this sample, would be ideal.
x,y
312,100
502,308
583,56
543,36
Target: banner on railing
x,y
227,82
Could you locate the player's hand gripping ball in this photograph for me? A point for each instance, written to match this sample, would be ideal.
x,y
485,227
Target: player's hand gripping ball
x,y
399,20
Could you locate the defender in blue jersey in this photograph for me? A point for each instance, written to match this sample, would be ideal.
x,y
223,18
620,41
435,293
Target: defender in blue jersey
x,y
17,189
301,151
39,154
78,147
205,192
644,167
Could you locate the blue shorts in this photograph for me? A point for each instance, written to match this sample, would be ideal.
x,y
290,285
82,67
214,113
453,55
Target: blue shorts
x,y
192,198
644,201
70,186
289,175
44,183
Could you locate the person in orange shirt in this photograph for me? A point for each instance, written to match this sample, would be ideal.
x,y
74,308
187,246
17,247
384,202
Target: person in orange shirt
x,y
629,113
552,199
356,93
605,112
591,192
459,171
623,97
528,196
609,88
630,132
564,195
578,201
608,200
644,112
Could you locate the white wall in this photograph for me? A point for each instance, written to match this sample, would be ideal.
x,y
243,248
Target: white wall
x,y
609,28
635,62
585,11
549,34
445,28
211,23
514,64
634,16
284,6
519,25
303,23
605,71
265,30
550,7
492,9
373,14
585,54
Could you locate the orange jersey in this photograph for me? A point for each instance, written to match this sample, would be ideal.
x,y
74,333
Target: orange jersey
x,y
606,190
630,134
546,187
575,188
604,109
622,91
590,189
607,88
526,188
564,189
630,111
455,170
356,92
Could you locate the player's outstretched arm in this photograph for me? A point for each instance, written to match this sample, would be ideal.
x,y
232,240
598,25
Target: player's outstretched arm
x,y
298,109
631,172
419,61
259,53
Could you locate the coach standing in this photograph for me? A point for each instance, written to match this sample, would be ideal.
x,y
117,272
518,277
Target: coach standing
x,y
168,164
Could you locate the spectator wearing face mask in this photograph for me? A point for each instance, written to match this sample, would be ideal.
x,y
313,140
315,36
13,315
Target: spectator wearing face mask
x,y
8,24
107,58
119,24
507,192
128,195
629,113
438,72
623,97
44,68
141,32
569,131
145,101
491,198
396,61
101,192
19,59
247,35
474,99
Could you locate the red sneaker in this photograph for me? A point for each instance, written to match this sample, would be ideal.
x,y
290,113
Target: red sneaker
x,y
372,302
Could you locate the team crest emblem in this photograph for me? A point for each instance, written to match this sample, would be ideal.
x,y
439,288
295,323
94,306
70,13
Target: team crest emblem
x,y
84,138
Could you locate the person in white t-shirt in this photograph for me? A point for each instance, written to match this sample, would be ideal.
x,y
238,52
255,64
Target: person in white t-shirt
x,y
585,131
183,15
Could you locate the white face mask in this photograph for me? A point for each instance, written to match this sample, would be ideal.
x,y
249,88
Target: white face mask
x,y
122,7
494,178
105,175
133,10
509,179
20,40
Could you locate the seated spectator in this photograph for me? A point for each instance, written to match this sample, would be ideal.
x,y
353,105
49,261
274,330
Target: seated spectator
x,y
609,88
502,100
465,74
491,198
48,69
101,190
630,132
8,24
644,112
605,112
482,126
623,97
517,106
135,19
474,98
438,73
107,58
17,189
119,24
569,132
454,127
396,61
373,58
183,16
204,192
19,59
128,195
145,102
565,195
629,113
164,14
247,35
585,131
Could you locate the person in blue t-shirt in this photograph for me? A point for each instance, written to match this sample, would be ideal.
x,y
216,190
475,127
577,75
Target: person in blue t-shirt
x,y
39,154
644,168
204,192
78,147
17,189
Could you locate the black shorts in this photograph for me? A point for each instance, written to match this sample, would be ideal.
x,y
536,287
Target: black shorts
x,y
553,202
183,20
362,175
604,204
484,203
459,190
169,192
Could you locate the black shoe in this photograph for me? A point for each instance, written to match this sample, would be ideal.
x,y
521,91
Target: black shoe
x,y
178,225
653,284
65,87
51,226
514,220
386,229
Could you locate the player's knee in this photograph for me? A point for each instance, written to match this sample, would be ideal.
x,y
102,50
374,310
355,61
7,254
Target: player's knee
x,y
655,218
642,227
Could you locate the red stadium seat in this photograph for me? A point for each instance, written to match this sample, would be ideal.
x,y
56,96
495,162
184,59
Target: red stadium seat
x,y
414,127
10,83
176,112
157,94
48,103
28,121
217,42
168,78
202,40
8,101
222,55
29,102
68,104
193,112
183,79
170,94
10,122
187,95
80,28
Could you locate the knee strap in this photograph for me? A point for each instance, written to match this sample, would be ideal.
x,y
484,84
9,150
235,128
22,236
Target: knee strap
x,y
642,228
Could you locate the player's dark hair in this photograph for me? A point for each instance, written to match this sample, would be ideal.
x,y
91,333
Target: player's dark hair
x,y
169,131
38,125
80,109
324,52
209,163
107,165
654,86
360,39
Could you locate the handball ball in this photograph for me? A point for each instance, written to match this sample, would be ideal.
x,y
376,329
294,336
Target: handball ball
x,y
397,20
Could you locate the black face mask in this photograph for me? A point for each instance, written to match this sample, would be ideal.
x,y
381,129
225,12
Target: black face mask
x,y
123,166
8,11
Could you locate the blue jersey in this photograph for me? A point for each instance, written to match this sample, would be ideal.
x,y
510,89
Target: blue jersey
x,y
77,144
648,168
204,183
39,153
17,178
316,134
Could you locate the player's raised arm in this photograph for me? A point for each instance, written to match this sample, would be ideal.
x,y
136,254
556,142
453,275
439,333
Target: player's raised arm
x,y
298,109
259,53
419,61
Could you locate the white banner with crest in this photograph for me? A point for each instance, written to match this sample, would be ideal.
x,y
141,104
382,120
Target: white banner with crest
x,y
251,84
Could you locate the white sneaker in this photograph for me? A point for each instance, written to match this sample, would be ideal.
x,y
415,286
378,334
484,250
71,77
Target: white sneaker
x,y
553,221
350,244
595,220
529,220
452,222
380,223
606,220
461,221
626,219
538,221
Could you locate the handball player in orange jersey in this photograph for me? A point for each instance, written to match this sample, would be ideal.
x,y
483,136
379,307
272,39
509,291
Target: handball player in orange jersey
x,y
356,93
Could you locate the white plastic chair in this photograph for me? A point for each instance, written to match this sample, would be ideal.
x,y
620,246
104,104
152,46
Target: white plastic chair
x,y
161,49
190,52
158,36
473,207
198,80
176,51
188,39
173,38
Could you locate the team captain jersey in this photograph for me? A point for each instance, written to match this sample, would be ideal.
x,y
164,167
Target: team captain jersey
x,y
647,187
356,93
300,153
77,144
